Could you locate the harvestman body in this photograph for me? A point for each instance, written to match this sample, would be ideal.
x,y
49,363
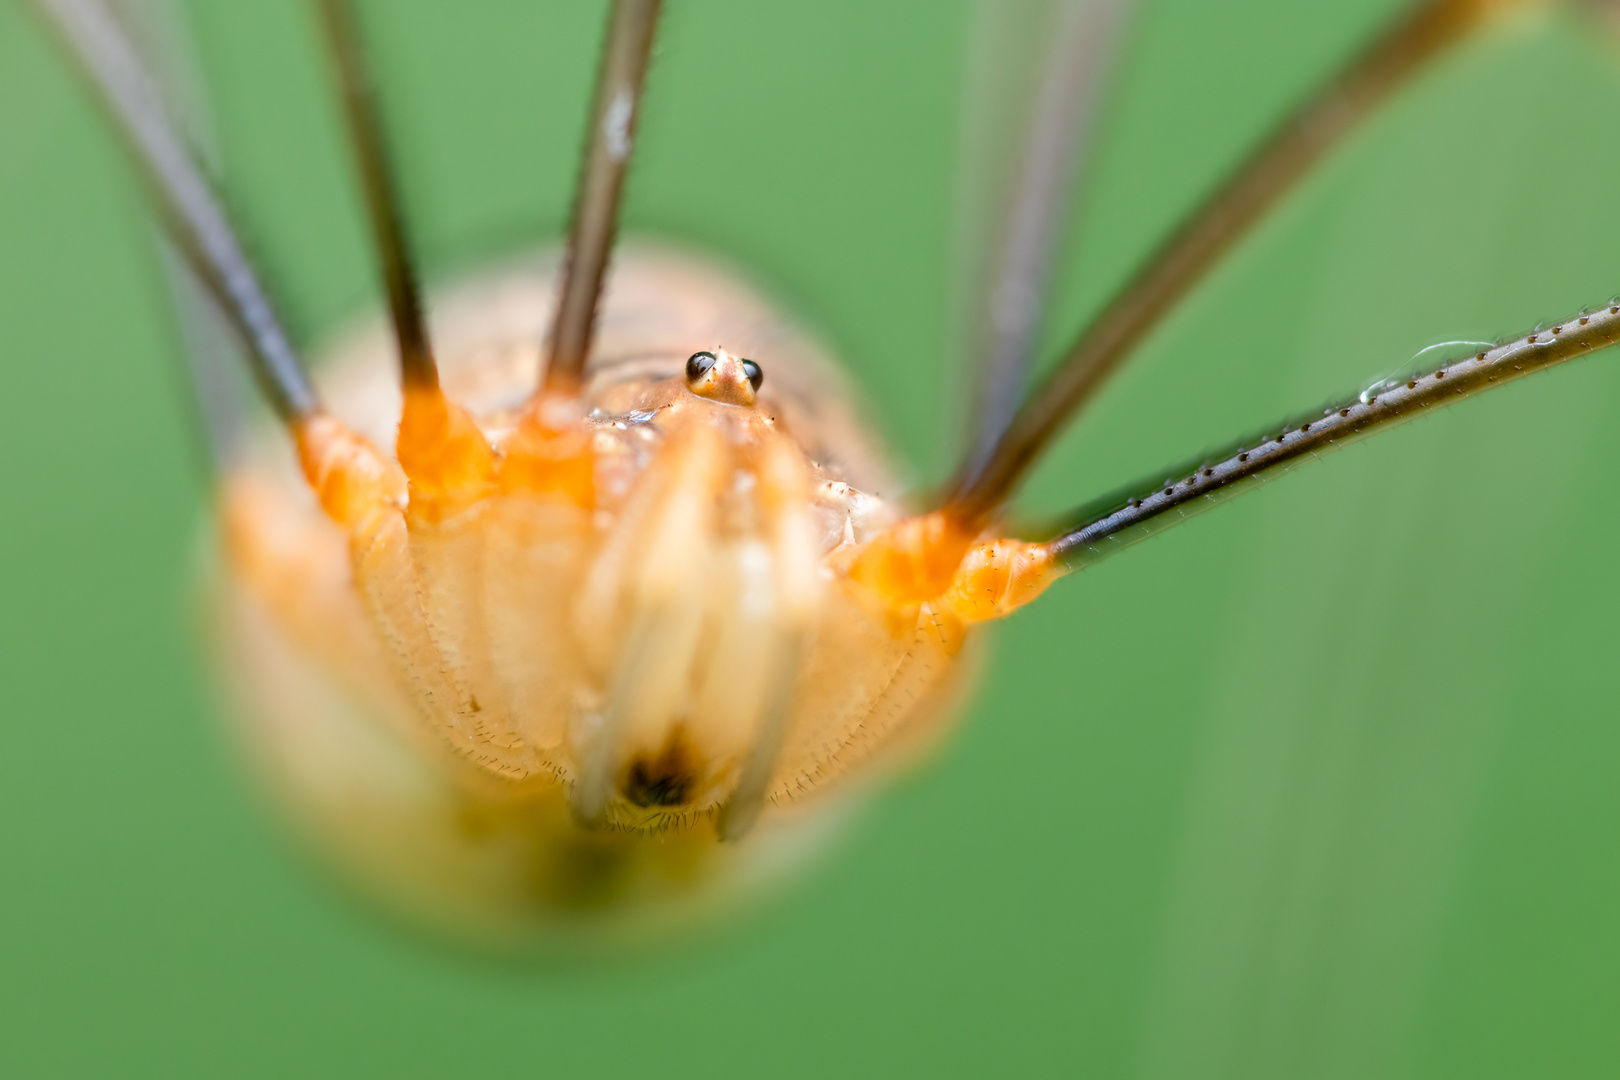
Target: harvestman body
x,y
665,619
612,627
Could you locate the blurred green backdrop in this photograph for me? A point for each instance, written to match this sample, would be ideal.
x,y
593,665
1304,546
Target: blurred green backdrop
x,y
1322,785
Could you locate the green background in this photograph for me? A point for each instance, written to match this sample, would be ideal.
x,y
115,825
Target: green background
x,y
1324,784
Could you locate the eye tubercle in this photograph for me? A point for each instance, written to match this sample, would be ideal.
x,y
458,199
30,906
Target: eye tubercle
x,y
720,376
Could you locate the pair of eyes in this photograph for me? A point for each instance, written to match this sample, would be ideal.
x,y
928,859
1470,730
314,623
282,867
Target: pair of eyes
x,y
699,363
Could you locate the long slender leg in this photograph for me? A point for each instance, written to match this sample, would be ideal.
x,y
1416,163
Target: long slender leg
x,y
353,482
213,359
601,183
1114,523
440,446
1390,61
217,369
1063,119
997,578
187,205
355,87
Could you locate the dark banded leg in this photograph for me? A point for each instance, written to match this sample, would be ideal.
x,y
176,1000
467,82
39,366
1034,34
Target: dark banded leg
x,y
1181,261
1114,523
356,89
614,113
185,202
439,445
350,478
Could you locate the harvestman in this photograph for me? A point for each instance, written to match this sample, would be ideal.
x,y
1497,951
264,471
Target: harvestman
x,y
612,642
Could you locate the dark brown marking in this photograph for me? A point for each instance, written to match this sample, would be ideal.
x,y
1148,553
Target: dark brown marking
x,y
664,780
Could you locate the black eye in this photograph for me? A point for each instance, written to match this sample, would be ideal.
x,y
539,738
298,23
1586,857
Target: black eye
x,y
698,365
756,374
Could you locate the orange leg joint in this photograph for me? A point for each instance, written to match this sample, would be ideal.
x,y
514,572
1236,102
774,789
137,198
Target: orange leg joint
x,y
932,558
913,561
550,453
443,452
352,480
998,578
